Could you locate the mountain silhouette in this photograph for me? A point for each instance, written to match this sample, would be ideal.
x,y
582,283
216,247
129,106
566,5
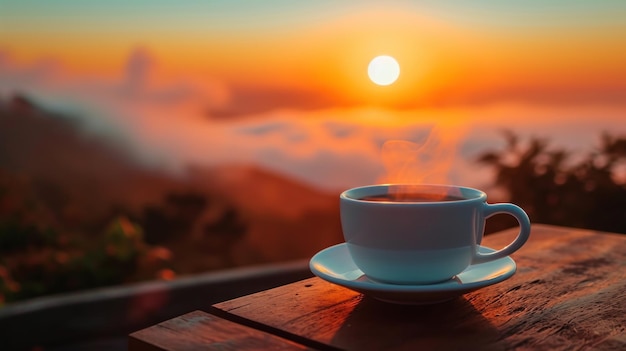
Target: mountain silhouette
x,y
85,180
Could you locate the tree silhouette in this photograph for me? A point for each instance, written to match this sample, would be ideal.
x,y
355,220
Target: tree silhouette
x,y
179,213
174,218
553,189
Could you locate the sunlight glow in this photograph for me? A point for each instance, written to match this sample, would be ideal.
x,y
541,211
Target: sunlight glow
x,y
383,70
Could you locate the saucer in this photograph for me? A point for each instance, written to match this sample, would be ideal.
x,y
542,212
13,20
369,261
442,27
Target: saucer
x,y
335,265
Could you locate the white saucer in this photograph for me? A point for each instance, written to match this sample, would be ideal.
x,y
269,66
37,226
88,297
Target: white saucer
x,y
334,264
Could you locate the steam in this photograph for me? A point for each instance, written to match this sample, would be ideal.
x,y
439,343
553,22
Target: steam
x,y
426,161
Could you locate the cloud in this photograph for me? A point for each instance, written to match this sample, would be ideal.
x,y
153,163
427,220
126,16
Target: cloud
x,y
258,98
164,125
266,128
43,72
138,67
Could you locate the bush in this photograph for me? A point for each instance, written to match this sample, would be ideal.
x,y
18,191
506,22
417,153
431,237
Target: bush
x,y
554,189
114,257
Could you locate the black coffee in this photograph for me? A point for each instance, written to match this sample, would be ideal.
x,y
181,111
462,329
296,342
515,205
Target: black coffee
x,y
411,197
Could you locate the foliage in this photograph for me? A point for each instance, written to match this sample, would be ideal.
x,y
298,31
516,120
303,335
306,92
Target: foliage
x,y
554,188
175,216
67,263
42,253
214,226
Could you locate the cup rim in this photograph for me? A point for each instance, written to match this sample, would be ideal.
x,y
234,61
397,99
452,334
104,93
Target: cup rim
x,y
479,194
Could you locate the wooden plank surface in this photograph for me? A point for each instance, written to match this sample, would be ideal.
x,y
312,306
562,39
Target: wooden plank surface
x,y
201,331
568,294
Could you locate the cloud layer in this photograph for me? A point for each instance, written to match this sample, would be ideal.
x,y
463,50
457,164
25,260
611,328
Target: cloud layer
x,y
166,125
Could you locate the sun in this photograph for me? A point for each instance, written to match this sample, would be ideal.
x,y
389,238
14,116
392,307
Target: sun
x,y
383,70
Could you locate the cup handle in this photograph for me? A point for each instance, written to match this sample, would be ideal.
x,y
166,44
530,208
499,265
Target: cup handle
x,y
524,231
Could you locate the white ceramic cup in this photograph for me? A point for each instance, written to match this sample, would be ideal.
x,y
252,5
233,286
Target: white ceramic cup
x,y
424,240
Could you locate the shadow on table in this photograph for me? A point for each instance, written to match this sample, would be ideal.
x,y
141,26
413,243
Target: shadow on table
x,y
455,324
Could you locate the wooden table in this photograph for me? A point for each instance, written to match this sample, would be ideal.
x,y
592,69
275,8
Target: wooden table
x,y
569,293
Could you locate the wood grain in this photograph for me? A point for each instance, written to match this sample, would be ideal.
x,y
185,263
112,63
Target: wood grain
x,y
568,294
200,331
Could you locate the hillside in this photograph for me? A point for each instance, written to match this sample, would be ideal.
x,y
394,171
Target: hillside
x,y
54,175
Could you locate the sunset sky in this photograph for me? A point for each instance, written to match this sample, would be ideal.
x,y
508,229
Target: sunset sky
x,y
222,59
314,53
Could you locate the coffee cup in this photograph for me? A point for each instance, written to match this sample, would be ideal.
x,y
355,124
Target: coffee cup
x,y
421,234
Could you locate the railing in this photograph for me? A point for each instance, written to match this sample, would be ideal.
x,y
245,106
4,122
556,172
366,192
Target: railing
x,y
75,318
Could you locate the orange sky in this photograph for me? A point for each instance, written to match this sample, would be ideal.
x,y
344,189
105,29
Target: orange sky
x,y
315,56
